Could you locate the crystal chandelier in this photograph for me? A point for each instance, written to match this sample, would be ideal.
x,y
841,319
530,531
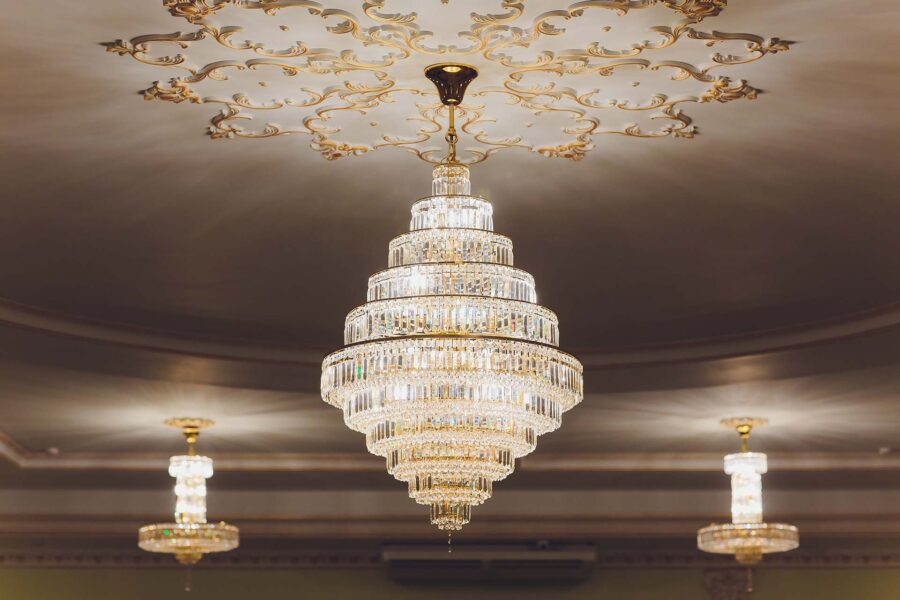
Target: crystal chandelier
x,y
747,537
451,368
190,536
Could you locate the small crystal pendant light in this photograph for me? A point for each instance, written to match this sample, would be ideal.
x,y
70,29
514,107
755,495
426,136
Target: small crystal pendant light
x,y
190,536
747,537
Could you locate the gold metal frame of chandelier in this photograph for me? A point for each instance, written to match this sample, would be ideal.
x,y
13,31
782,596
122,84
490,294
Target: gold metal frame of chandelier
x,y
748,542
190,427
743,426
188,542
743,423
451,81
461,336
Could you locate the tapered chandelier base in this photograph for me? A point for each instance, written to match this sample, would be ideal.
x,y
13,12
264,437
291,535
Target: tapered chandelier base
x,y
748,542
188,541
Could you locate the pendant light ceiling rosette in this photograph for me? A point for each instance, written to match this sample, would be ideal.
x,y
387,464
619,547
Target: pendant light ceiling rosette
x,y
451,368
747,537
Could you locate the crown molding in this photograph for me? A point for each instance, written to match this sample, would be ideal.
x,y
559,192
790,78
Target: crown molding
x,y
25,459
870,322
414,527
757,343
55,558
116,334
513,515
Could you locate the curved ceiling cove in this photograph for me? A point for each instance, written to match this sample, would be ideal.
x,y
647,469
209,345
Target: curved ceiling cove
x,y
555,77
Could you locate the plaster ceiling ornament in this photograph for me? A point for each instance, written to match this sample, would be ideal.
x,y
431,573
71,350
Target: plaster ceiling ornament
x,y
190,536
555,76
451,368
747,537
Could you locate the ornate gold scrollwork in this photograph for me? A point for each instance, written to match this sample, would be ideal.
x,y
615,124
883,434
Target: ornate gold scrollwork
x,y
697,9
318,91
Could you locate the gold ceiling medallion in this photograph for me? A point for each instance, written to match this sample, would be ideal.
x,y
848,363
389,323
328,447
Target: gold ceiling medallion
x,y
697,9
346,73
747,537
190,536
451,81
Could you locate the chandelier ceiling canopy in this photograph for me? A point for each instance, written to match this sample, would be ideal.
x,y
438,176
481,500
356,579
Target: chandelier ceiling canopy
x,y
190,536
747,537
346,74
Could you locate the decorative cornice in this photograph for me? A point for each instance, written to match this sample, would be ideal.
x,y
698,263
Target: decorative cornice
x,y
756,343
116,334
820,514
42,461
131,559
864,323
25,459
717,567
705,462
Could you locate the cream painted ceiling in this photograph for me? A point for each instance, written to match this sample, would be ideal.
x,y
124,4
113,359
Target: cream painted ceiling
x,y
148,270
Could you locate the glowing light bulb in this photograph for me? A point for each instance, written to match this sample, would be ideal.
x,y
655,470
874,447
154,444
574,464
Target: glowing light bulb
x,y
190,473
746,470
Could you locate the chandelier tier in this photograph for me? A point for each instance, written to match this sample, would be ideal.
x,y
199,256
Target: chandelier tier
x,y
451,368
190,536
747,537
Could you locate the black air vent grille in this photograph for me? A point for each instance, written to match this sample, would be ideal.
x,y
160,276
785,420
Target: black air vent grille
x,y
489,562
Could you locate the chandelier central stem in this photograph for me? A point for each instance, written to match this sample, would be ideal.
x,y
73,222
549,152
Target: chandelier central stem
x,y
744,433
451,137
451,81
190,435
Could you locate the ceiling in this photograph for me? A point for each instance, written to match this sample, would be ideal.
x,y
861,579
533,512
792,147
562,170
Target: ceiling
x,y
147,271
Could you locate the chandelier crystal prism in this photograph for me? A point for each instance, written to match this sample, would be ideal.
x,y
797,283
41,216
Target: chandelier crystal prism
x,y
747,537
451,370
190,536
